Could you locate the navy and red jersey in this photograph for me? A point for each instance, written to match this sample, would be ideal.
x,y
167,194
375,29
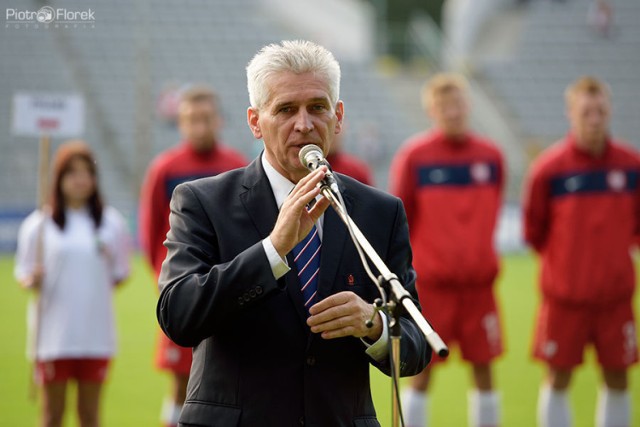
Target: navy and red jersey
x,y
582,215
452,191
170,168
350,165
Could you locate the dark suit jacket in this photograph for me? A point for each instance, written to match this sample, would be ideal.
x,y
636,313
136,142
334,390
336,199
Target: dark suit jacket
x,y
255,361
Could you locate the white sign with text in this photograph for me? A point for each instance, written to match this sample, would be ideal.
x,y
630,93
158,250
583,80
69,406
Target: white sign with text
x,y
53,114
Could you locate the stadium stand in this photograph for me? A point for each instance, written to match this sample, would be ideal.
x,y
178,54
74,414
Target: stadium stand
x,y
132,52
557,45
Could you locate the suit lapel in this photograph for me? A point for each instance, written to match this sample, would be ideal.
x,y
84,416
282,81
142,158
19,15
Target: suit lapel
x,y
261,207
334,236
258,199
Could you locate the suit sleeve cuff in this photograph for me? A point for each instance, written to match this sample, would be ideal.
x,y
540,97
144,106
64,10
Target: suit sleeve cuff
x,y
279,266
379,350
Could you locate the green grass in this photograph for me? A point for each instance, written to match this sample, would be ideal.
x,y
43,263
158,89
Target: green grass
x,y
134,392
135,389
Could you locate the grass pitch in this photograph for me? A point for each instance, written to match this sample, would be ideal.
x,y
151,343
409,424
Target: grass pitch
x,y
134,391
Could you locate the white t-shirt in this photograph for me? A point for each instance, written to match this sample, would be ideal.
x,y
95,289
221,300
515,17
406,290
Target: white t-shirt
x,y
81,266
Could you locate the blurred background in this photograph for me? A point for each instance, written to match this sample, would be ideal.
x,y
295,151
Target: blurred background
x,y
129,61
125,61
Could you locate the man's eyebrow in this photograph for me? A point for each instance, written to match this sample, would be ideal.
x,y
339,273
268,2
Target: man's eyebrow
x,y
319,99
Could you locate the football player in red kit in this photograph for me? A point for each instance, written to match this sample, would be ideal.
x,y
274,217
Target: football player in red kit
x,y
451,182
200,154
582,216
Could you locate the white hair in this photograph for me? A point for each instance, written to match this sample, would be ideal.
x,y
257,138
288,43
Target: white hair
x,y
297,56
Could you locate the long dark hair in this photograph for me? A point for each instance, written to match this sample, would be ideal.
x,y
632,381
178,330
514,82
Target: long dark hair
x,y
65,154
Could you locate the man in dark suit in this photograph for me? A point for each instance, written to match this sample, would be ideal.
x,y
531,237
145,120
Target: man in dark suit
x,y
266,352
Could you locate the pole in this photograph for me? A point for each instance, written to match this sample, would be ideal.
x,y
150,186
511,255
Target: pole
x,y
395,355
43,184
44,150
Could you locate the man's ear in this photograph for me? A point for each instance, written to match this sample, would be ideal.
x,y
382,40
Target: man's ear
x,y
253,122
340,116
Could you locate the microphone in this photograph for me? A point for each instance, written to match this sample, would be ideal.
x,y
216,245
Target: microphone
x,y
312,158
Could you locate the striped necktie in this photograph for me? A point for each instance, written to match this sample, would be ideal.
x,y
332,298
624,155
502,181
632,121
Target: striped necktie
x,y
307,259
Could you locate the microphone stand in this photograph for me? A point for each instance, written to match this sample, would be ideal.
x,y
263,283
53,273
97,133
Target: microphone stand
x,y
398,295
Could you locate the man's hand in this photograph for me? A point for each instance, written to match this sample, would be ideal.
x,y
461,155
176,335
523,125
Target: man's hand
x,y
295,221
344,314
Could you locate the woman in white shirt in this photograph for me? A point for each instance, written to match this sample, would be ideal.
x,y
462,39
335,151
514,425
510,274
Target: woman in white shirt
x,y
72,254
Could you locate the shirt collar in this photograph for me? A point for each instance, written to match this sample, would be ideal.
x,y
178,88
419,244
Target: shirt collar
x,y
201,154
461,140
280,185
571,138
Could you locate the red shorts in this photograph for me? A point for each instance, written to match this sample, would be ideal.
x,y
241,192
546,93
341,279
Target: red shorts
x,y
172,357
468,317
562,331
62,370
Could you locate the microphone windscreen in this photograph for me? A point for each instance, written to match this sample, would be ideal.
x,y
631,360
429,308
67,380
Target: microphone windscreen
x,y
308,152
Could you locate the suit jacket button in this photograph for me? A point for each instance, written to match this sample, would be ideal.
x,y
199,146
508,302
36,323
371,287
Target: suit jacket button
x,y
252,293
311,360
259,290
246,297
240,300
